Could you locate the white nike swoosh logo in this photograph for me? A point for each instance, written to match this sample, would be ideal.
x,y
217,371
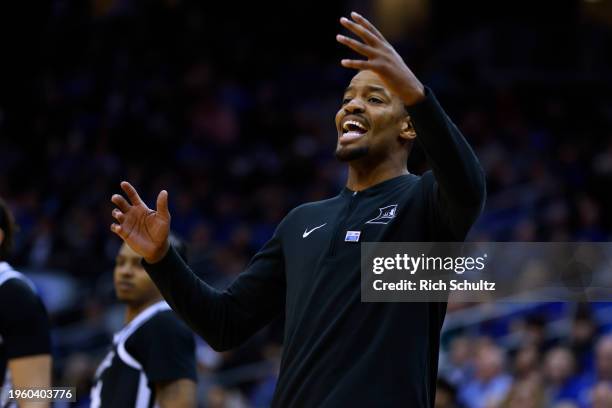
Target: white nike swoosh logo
x,y
307,233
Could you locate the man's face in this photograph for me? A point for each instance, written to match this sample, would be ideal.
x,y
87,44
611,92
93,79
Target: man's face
x,y
132,283
371,121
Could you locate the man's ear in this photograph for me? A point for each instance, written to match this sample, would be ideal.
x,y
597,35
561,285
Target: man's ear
x,y
407,131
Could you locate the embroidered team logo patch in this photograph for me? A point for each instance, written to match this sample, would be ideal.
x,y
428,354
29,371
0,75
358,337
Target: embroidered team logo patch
x,y
352,236
386,214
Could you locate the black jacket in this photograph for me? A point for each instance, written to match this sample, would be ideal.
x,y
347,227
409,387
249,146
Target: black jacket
x,y
338,351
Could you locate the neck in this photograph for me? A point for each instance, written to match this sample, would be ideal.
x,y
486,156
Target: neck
x,y
363,175
134,309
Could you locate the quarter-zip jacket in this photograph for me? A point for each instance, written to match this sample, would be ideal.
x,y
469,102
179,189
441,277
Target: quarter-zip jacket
x,y
338,351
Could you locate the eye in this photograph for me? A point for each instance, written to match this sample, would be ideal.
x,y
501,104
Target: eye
x,y
374,99
345,101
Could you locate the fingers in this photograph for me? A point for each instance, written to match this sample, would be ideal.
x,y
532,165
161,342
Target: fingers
x,y
116,228
358,64
131,193
118,215
162,204
360,31
120,202
365,23
356,46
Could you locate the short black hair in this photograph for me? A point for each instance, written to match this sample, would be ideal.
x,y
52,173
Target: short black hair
x,y
179,245
7,225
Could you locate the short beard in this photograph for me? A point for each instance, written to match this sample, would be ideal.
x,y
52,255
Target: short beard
x,y
348,154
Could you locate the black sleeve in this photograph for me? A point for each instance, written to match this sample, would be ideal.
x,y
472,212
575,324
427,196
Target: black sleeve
x,y
459,190
166,349
24,324
225,319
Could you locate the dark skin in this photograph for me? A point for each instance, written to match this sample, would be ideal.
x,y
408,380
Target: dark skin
x,y
380,152
135,288
375,98
385,70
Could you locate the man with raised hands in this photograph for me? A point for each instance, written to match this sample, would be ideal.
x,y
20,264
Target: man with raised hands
x,y
338,351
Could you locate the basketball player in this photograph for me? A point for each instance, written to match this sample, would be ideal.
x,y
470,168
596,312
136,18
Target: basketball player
x,y
338,351
25,346
152,360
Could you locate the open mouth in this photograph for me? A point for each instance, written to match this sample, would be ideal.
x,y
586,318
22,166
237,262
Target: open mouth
x,y
352,130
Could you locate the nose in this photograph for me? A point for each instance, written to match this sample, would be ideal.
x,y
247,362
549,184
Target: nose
x,y
124,271
355,105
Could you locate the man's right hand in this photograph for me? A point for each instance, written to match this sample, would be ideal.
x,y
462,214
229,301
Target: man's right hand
x,y
144,230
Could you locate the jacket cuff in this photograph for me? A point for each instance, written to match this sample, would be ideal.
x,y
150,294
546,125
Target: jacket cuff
x,y
168,262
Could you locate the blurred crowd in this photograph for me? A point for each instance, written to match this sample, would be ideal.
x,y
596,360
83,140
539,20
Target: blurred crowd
x,y
234,117
539,370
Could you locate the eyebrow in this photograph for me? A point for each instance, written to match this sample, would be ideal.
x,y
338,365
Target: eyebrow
x,y
370,88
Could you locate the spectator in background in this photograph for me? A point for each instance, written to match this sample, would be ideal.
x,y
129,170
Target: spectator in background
x,y
582,337
559,370
601,395
526,361
458,369
490,383
535,331
25,345
525,393
587,385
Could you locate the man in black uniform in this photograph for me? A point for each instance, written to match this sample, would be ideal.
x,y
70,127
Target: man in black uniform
x,y
338,351
152,360
25,345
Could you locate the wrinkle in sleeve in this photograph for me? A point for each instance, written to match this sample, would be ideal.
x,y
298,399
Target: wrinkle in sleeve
x,y
459,189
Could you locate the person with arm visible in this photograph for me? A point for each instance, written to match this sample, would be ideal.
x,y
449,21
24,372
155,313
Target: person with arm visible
x,y
25,342
152,359
337,350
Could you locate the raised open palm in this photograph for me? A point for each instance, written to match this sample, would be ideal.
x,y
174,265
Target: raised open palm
x,y
144,230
